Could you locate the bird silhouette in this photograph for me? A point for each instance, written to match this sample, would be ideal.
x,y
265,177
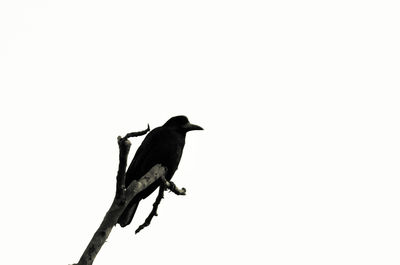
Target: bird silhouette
x,y
163,145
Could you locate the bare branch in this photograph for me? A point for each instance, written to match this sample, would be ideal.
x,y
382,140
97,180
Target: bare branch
x,y
124,146
164,186
153,212
124,195
116,209
135,134
120,202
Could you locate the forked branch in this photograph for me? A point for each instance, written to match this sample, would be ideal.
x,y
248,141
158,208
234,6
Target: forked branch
x,y
122,198
124,195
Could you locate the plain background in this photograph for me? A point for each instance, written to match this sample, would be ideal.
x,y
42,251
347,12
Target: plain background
x,y
299,159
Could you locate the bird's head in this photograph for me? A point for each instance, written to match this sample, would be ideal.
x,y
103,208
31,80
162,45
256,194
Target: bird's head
x,y
182,124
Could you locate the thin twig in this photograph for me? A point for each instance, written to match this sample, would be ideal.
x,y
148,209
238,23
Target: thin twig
x,y
164,186
135,134
153,212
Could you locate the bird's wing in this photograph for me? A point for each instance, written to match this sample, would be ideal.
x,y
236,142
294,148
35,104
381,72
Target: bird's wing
x,y
159,146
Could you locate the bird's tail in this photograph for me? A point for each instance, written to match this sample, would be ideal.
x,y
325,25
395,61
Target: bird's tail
x,y
127,216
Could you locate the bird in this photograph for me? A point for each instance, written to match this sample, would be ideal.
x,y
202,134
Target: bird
x,y
162,145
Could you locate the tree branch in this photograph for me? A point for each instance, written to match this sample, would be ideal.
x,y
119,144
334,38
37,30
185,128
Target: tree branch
x,y
153,212
135,134
116,209
120,202
164,186
124,146
124,195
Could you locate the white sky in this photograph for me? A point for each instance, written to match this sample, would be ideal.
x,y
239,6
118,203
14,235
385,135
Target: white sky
x,y
299,159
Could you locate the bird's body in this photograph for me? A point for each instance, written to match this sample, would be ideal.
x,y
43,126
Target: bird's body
x,y
163,145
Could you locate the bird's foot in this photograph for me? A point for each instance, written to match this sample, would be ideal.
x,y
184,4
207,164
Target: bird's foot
x,y
172,187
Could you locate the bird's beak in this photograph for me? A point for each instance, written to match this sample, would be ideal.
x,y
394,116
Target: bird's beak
x,y
191,127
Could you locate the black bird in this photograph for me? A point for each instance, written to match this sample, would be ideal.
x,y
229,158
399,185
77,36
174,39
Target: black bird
x,y
163,145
